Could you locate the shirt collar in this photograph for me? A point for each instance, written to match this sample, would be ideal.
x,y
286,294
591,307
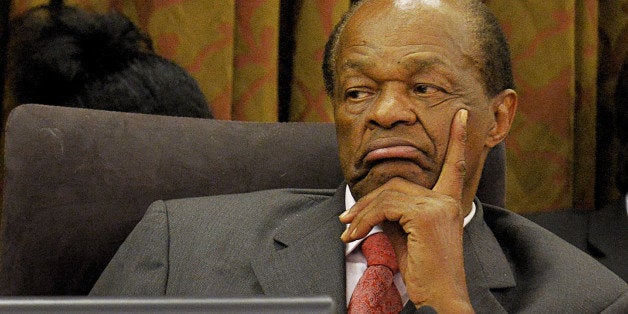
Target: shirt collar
x,y
350,201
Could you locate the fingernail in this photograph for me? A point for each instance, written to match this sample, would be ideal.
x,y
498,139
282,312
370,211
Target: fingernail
x,y
354,232
344,214
463,115
344,234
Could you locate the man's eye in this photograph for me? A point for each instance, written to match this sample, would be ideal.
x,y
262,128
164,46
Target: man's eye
x,y
425,89
356,94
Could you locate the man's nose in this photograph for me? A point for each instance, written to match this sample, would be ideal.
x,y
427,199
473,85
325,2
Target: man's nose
x,y
392,107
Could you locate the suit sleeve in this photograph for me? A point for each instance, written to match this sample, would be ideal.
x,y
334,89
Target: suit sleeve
x,y
140,267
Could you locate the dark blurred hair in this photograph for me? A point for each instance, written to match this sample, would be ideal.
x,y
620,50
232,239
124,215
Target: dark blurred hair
x,y
65,56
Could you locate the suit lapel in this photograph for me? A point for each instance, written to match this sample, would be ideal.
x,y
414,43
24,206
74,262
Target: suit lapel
x,y
309,259
486,266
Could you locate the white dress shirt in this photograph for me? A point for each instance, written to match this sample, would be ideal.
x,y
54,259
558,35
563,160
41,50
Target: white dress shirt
x,y
356,262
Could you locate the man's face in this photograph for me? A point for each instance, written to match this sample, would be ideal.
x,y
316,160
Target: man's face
x,y
402,72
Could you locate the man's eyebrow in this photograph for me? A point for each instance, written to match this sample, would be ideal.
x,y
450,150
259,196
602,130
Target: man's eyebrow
x,y
353,65
421,64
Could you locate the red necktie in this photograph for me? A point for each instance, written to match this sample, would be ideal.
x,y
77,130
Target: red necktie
x,y
376,292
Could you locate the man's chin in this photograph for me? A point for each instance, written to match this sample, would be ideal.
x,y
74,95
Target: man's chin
x,y
382,173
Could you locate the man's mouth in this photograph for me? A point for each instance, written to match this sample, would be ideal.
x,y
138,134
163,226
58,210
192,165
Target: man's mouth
x,y
385,158
385,150
391,153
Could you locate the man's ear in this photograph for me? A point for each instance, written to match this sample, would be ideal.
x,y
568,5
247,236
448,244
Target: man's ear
x,y
504,106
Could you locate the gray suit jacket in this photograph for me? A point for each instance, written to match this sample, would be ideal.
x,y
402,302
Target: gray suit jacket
x,y
602,233
286,243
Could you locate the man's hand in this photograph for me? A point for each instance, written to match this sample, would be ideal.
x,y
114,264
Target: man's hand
x,y
425,227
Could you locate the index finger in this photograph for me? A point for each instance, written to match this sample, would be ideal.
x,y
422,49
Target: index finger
x,y
451,178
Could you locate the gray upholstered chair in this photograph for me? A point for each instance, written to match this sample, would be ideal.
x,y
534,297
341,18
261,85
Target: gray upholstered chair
x,y
78,180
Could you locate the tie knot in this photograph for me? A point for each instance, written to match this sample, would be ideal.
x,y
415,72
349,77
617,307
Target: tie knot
x,y
378,250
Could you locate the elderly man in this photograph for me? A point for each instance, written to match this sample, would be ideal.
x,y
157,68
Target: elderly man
x,y
421,91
